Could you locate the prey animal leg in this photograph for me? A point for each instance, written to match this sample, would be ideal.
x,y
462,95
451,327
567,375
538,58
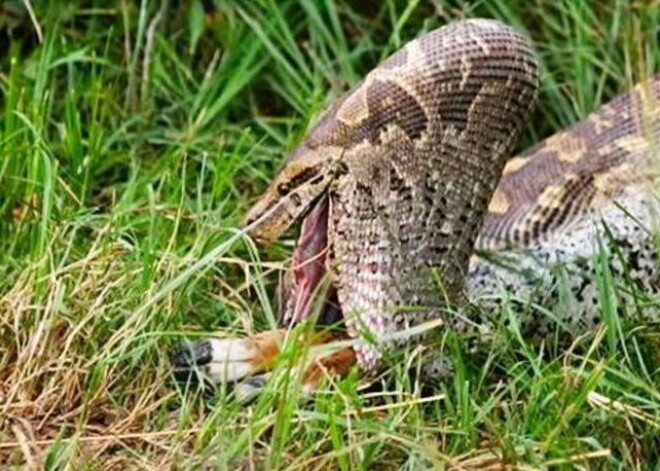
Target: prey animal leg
x,y
226,360
219,361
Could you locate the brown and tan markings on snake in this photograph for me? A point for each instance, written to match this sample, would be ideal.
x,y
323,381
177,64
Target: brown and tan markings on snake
x,y
410,209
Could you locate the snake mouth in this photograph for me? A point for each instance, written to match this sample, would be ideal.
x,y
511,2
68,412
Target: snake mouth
x,y
309,290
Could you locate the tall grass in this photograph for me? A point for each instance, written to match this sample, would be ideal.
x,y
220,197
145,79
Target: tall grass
x,y
133,138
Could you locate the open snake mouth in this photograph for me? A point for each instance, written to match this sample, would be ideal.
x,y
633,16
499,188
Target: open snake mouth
x,y
310,272
307,293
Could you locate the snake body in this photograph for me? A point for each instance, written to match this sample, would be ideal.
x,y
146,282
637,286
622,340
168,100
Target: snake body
x,y
578,206
404,177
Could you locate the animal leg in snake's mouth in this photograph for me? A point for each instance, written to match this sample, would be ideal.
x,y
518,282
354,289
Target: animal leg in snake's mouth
x,y
228,360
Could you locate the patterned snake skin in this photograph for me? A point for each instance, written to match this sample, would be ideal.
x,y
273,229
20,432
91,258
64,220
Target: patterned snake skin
x,y
404,177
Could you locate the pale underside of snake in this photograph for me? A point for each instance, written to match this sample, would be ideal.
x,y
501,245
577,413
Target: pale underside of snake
x,y
413,211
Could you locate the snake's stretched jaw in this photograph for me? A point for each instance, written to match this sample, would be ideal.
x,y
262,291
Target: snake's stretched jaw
x,y
300,194
309,270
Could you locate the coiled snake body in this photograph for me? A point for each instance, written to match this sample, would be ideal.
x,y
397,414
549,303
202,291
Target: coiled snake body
x,y
404,177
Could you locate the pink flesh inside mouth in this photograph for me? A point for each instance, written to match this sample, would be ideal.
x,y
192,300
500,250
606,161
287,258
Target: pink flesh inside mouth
x,y
309,267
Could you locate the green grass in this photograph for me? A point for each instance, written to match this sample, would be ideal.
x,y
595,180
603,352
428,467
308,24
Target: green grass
x,y
134,138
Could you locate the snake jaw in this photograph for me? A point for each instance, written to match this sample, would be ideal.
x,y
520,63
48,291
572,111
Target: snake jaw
x,y
308,263
309,271
300,193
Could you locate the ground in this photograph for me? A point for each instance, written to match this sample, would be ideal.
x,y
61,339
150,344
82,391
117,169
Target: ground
x,y
134,137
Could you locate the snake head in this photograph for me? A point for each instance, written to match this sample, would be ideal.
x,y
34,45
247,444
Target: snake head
x,y
310,170
305,177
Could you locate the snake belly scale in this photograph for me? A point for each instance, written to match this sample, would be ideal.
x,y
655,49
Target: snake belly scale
x,y
406,176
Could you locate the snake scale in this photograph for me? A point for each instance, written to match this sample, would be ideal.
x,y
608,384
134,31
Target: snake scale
x,y
411,207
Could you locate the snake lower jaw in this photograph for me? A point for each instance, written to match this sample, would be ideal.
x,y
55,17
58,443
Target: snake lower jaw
x,y
308,291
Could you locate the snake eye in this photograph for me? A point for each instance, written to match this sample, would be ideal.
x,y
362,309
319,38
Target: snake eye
x,y
283,189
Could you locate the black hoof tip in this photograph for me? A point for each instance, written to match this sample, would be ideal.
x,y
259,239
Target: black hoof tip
x,y
192,354
187,358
